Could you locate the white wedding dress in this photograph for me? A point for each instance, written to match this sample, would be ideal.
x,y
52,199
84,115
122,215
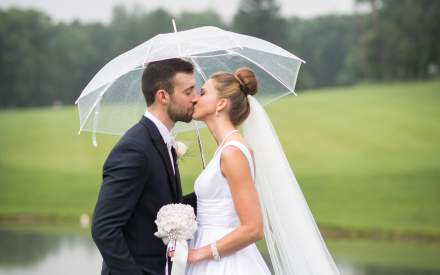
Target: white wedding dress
x,y
216,217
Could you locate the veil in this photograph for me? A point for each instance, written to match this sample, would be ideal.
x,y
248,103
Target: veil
x,y
293,239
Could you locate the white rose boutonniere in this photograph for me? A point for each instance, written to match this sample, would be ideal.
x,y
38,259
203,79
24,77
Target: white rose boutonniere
x,y
181,149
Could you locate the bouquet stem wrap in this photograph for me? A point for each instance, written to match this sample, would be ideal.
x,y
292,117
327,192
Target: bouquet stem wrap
x,y
180,257
176,223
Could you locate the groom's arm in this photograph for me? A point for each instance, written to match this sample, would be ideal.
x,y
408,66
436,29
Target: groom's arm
x,y
191,199
124,176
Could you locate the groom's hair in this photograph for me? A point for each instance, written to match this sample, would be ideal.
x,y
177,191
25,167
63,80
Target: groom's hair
x,y
159,75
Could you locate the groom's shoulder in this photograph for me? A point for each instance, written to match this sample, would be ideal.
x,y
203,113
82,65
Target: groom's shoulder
x,y
137,131
135,137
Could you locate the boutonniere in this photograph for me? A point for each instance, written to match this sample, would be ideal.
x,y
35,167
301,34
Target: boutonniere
x,y
181,149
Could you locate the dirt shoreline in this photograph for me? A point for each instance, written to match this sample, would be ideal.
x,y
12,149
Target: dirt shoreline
x,y
329,232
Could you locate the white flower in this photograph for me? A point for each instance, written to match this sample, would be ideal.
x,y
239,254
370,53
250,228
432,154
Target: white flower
x,y
175,222
181,148
84,220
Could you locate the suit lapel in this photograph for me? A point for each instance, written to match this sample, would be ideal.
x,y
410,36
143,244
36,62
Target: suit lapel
x,y
165,156
161,147
176,167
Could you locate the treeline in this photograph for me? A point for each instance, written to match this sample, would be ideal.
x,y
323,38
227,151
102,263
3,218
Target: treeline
x,y
43,62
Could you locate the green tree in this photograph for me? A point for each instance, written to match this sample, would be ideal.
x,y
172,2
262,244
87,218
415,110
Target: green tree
x,y
261,18
24,54
188,20
401,40
326,43
81,51
132,27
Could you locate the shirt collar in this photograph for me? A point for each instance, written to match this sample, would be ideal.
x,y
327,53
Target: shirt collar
x,y
163,130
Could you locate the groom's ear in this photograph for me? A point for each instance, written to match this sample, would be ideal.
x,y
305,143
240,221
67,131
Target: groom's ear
x,y
161,97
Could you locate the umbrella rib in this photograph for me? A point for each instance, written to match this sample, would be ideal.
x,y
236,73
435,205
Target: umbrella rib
x,y
207,45
157,49
233,40
198,68
118,75
278,97
199,141
148,52
209,56
261,67
160,48
94,104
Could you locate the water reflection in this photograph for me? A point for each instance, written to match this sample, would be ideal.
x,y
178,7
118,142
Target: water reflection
x,y
25,249
25,253
361,269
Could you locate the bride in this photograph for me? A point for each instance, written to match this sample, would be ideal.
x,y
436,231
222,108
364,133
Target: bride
x,y
248,191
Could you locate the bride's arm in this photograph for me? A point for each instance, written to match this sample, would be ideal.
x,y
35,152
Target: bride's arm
x,y
235,168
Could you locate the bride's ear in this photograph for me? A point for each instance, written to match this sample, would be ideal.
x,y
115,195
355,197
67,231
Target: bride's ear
x,y
222,104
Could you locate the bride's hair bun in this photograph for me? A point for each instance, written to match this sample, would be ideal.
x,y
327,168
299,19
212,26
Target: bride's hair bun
x,y
247,80
236,87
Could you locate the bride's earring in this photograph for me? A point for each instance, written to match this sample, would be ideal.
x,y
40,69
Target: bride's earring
x,y
216,112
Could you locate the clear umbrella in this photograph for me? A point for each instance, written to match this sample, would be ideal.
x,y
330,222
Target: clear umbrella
x,y
112,101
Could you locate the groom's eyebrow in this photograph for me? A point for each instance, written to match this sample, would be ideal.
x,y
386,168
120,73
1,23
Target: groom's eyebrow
x,y
189,88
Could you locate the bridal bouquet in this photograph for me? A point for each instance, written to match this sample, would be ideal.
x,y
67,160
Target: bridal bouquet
x,y
176,223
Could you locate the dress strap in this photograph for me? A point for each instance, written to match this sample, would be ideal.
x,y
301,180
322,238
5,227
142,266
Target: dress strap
x,y
245,152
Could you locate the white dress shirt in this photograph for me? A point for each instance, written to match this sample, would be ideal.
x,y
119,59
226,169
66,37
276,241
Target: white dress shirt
x,y
165,133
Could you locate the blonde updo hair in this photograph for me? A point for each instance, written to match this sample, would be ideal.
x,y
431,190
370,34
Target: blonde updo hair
x,y
236,87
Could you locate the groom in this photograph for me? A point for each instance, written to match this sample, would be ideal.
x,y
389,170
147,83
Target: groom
x,y
141,175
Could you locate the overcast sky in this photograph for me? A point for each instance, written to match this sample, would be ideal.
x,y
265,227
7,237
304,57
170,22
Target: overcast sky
x,y
100,10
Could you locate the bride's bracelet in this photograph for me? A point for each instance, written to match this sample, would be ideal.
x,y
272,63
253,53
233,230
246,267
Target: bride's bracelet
x,y
214,251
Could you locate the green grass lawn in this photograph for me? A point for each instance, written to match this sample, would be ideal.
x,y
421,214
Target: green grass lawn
x,y
366,157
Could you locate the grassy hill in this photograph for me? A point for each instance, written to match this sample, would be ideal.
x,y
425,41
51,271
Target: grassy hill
x,y
366,157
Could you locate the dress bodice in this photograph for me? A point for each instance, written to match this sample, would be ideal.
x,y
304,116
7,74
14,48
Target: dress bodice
x,y
214,201
216,217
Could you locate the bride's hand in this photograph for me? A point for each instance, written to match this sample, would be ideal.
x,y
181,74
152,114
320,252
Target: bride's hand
x,y
197,255
193,256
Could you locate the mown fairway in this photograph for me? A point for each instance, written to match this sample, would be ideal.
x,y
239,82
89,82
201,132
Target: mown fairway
x,y
366,157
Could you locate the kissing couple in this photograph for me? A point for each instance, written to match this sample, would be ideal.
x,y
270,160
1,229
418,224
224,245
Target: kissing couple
x,y
237,199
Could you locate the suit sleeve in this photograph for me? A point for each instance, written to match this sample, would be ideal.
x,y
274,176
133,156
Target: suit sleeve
x,y
191,199
125,173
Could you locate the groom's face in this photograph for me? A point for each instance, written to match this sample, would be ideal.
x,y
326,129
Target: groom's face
x,y
181,105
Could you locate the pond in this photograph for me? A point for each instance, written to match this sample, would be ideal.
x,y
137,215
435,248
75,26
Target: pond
x,y
36,252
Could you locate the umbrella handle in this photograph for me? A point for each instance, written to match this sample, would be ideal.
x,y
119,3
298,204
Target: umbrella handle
x,y
199,142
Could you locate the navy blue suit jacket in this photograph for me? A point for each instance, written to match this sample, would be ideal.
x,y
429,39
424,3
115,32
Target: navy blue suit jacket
x,y
138,180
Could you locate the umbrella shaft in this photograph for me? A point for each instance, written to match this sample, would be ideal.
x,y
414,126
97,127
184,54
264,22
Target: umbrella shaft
x,y
199,142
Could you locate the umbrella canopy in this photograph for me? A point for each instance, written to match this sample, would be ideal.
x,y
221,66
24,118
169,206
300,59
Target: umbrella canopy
x,y
113,101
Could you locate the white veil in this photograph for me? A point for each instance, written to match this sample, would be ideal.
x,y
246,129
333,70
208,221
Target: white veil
x,y
292,236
